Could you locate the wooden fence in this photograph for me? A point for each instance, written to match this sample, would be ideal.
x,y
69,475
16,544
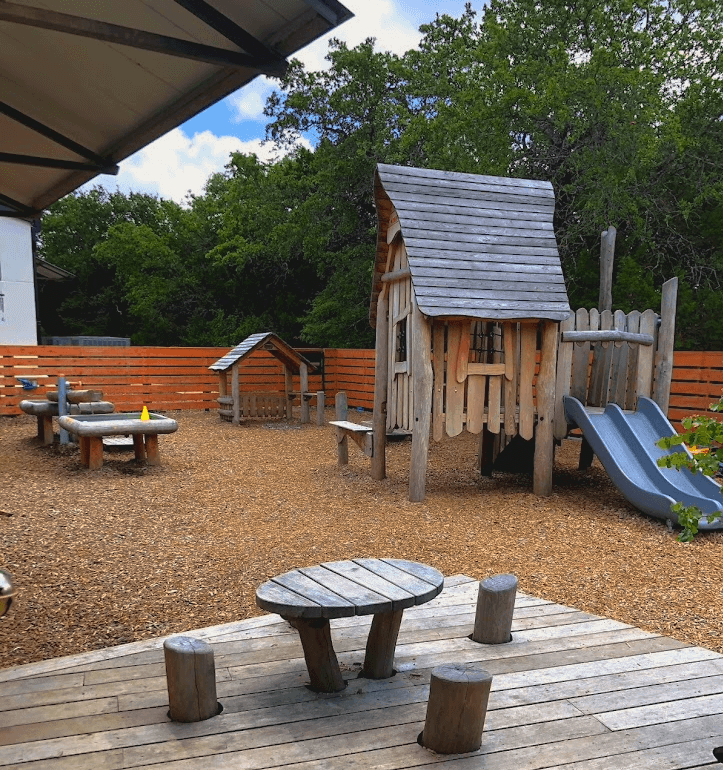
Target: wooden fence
x,y
168,378
179,378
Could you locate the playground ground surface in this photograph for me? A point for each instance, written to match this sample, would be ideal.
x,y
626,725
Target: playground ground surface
x,y
133,552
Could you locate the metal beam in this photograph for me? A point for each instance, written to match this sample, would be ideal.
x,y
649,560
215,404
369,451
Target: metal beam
x,y
49,133
72,165
134,38
323,10
19,209
230,30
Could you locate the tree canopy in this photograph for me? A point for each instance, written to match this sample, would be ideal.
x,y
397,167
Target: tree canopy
x,y
618,103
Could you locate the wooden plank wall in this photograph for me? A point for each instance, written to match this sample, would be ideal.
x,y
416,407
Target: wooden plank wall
x,y
697,383
351,371
160,378
178,378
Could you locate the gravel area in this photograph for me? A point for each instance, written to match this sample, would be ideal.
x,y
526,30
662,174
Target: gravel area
x,y
131,552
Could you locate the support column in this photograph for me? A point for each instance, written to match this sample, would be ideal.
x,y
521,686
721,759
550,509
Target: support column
x,y
304,388
95,453
320,406
236,419
544,437
47,429
152,456
381,368
381,643
289,389
421,350
666,342
321,662
342,442
139,447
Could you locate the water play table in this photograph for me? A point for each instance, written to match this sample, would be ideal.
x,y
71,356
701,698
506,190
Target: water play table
x,y
91,428
308,597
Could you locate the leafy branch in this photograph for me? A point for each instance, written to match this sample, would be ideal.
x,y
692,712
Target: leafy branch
x,y
705,435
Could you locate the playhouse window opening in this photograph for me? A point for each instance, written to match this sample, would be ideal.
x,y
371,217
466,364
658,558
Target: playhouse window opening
x,y
401,347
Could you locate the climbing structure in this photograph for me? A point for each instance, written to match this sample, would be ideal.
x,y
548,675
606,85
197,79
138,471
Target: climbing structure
x,y
467,298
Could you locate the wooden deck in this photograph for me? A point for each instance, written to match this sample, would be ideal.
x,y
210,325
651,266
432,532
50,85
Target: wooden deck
x,y
571,690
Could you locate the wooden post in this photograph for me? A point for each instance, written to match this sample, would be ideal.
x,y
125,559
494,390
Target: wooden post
x,y
47,429
342,442
324,672
191,679
139,447
236,420
152,456
288,389
95,453
544,431
381,643
84,443
607,256
564,375
457,707
304,387
320,405
421,349
495,607
381,366
666,343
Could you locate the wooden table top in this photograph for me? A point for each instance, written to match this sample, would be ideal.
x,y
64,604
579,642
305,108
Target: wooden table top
x,y
344,588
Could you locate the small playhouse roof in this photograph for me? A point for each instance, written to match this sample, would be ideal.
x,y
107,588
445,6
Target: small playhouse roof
x,y
267,341
478,246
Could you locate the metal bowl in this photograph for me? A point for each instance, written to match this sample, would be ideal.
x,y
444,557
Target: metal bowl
x,y
7,591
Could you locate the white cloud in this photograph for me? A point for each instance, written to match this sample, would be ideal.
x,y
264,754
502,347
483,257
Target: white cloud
x,y
177,164
248,102
380,19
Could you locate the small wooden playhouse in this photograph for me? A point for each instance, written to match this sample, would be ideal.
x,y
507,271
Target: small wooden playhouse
x,y
468,294
241,403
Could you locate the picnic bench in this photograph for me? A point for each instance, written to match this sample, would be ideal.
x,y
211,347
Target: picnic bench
x,y
308,597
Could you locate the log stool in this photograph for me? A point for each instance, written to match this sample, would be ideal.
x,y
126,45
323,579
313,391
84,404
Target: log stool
x,y
191,679
495,607
457,707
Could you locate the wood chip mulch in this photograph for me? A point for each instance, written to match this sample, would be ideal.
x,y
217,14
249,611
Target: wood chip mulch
x,y
131,552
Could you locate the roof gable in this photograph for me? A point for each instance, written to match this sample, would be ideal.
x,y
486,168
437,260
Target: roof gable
x,y
267,341
478,246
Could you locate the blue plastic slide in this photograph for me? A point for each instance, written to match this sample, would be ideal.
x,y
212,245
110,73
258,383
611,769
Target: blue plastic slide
x,y
626,446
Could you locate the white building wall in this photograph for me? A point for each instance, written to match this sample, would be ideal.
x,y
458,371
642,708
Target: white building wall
x,y
17,289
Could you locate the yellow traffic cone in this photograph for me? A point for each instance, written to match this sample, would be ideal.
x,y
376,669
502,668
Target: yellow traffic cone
x,y
144,414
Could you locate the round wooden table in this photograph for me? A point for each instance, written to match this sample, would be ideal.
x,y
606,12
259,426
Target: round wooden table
x,y
310,596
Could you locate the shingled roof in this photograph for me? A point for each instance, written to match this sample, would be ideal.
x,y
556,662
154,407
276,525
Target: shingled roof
x,y
265,341
478,246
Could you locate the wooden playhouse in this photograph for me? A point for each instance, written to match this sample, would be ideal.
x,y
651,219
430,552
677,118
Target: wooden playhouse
x,y
242,403
468,294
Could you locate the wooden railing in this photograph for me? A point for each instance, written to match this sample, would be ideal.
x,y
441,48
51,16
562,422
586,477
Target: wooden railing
x,y
179,378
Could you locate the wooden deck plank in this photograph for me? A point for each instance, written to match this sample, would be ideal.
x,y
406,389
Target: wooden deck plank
x,y
571,690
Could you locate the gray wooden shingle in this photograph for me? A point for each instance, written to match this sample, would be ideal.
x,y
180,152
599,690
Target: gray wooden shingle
x,y
269,342
478,246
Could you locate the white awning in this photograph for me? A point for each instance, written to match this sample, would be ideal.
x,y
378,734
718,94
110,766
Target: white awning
x,y
84,84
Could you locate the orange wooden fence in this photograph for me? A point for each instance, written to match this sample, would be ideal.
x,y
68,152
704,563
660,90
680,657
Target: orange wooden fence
x,y
179,378
168,378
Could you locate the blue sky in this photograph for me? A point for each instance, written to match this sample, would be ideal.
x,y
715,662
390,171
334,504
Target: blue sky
x,y
183,159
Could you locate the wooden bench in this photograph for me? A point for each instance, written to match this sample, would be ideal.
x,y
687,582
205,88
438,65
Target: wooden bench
x,y
361,435
308,597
